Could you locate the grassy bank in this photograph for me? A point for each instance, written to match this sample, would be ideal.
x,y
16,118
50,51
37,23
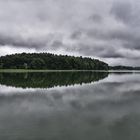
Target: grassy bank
x,y
31,70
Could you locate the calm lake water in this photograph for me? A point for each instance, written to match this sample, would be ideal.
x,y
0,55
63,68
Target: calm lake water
x,y
70,106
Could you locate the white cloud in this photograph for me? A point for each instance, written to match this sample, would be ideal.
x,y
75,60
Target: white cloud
x,y
4,50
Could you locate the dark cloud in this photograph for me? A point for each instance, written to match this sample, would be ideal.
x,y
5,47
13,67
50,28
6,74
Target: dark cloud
x,y
76,35
122,11
112,54
56,44
38,42
21,42
96,18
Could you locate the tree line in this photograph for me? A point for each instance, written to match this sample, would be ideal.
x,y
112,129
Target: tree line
x,y
50,62
123,68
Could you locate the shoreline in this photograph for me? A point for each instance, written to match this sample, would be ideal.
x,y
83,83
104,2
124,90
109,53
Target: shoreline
x,y
31,70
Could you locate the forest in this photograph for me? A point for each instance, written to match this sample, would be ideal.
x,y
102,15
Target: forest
x,y
50,61
123,68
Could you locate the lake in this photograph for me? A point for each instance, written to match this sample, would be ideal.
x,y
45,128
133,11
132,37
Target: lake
x,y
70,106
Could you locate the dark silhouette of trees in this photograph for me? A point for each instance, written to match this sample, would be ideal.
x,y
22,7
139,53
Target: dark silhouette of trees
x,y
37,63
50,62
123,68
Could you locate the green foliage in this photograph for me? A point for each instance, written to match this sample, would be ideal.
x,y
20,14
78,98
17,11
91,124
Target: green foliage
x,y
37,63
51,62
1,65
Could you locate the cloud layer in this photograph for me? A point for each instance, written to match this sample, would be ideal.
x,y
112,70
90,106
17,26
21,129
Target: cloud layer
x,y
104,29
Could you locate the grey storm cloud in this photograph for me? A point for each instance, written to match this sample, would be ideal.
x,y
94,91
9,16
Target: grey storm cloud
x,y
96,18
122,11
19,41
104,29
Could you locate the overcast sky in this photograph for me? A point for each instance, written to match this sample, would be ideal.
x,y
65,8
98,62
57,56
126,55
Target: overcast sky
x,y
104,29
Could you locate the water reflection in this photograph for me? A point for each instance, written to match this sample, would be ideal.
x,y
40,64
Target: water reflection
x,y
104,110
50,79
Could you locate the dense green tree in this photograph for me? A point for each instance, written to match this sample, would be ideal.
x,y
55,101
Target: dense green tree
x,y
50,61
37,63
1,65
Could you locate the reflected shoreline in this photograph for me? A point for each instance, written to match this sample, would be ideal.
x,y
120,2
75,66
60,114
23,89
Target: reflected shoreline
x,y
49,80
